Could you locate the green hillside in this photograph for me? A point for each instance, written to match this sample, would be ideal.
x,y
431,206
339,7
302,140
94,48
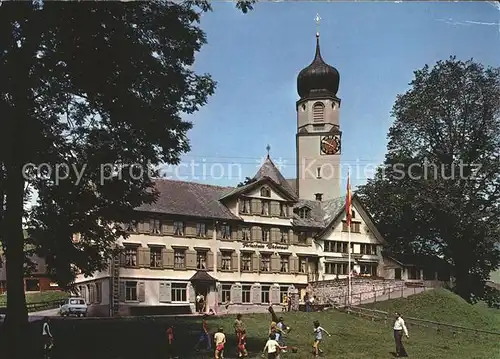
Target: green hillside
x,y
443,306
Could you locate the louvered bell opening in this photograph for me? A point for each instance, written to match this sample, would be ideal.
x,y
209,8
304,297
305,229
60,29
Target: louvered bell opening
x,y
318,112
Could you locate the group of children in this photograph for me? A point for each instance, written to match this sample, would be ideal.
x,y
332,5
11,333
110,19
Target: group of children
x,y
272,349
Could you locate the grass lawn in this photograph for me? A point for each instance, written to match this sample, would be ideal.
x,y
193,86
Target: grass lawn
x,y
352,337
38,297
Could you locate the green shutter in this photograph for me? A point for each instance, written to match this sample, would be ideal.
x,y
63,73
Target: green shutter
x,y
122,291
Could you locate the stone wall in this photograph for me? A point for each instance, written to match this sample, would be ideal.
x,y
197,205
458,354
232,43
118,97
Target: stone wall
x,y
336,291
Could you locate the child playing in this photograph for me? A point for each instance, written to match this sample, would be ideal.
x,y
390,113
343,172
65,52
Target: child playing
x,y
318,336
219,341
272,347
242,343
170,342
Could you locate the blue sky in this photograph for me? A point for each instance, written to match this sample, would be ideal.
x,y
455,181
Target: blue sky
x,y
376,46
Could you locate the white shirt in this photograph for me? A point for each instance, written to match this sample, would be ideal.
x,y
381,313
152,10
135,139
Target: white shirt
x,y
271,346
46,330
399,324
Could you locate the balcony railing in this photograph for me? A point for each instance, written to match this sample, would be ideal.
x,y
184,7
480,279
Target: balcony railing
x,y
313,277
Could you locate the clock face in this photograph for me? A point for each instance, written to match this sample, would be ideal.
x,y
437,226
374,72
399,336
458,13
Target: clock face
x,y
330,145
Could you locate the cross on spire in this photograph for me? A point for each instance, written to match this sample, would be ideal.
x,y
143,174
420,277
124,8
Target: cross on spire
x,y
268,148
318,20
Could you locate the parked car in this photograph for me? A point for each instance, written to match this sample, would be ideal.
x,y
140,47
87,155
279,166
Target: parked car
x,y
73,306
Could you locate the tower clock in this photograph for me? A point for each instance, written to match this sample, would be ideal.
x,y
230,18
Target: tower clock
x,y
330,145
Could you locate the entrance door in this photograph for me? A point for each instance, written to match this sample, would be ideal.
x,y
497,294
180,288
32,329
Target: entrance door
x,y
397,273
201,297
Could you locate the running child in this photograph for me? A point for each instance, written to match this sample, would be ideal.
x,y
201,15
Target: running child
x,y
318,337
242,344
219,341
272,348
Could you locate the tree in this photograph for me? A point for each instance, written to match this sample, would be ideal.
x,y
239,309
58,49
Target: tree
x,y
247,180
92,96
438,191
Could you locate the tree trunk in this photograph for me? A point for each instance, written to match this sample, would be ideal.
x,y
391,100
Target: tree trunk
x,y
16,327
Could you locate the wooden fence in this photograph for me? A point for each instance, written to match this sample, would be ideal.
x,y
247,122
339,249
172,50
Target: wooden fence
x,y
439,327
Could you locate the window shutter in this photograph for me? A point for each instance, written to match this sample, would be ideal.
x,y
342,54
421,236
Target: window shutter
x,y
236,293
219,260
191,293
210,261
275,209
255,262
275,263
256,206
122,257
190,259
294,264
309,239
167,256
210,231
142,292
274,294
122,291
190,229
256,233
275,235
293,237
165,292
94,292
218,287
234,261
143,226
255,297
146,257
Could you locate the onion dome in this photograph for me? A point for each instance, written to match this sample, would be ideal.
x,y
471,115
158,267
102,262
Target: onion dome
x,y
318,78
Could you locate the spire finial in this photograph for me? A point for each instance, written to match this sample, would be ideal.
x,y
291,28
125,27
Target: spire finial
x,y
318,20
268,148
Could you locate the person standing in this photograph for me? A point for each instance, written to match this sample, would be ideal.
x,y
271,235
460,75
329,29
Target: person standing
x,y
220,341
238,327
48,339
198,299
171,352
272,347
242,344
399,330
204,336
307,302
318,337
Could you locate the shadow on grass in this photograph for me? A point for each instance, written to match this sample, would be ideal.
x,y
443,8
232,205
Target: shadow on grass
x,y
135,338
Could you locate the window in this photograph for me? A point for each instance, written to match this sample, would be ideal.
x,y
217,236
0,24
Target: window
x,y
265,192
246,261
318,172
283,235
265,262
130,256
353,214
283,210
32,285
302,237
319,196
369,270
370,249
226,293
155,226
201,230
319,127
76,301
284,261
355,227
265,234
225,261
98,290
397,273
283,293
155,257
304,212
131,227
179,258
225,231
336,268
302,264
245,294
246,206
178,228
179,292
201,259
245,233
318,111
264,294
130,290
266,206
413,273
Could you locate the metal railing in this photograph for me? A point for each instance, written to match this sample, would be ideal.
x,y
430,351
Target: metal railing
x,y
439,327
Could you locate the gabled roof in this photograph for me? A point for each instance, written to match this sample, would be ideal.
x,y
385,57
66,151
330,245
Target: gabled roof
x,y
202,276
268,169
321,212
189,199
266,173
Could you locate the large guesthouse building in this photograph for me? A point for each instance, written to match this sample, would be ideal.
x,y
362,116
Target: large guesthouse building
x,y
249,245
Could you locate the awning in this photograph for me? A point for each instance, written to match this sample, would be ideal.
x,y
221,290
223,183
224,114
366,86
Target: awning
x,y
202,277
373,261
336,260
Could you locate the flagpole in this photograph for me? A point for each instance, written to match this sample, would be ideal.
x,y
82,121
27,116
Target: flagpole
x,y
349,284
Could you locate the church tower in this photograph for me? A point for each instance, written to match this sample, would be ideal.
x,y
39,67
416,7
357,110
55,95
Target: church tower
x,y
318,131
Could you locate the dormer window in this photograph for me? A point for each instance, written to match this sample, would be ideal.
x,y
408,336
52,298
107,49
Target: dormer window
x,y
265,192
318,112
304,212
